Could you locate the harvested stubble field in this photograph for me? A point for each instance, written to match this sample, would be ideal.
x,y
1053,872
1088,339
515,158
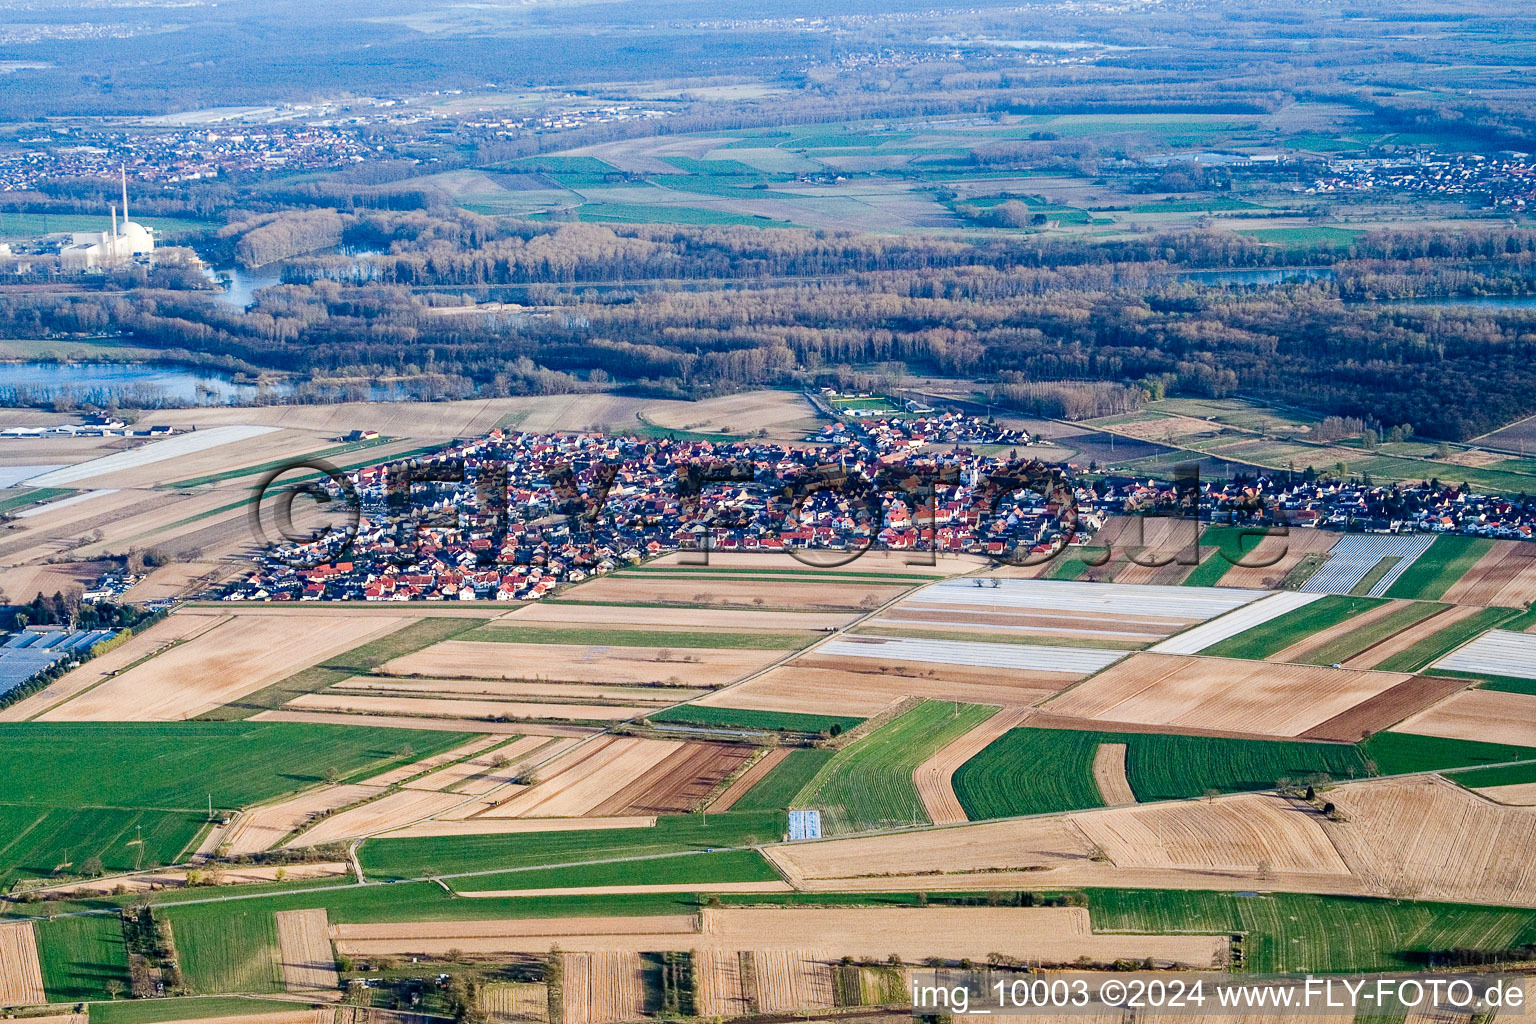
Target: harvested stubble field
x,y
1504,577
791,981
861,690
506,1002
782,413
1284,553
601,987
173,630
451,825
680,782
1054,935
414,687
581,664
1430,838
264,827
456,707
219,665
721,988
489,769
390,811
413,768
981,618
1145,550
630,617
21,975
1233,834
1109,775
934,777
877,562
1253,698
1488,716
585,778
806,595
459,725
304,950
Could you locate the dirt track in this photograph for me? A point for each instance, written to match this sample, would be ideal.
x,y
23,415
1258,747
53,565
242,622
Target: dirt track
x,y
934,776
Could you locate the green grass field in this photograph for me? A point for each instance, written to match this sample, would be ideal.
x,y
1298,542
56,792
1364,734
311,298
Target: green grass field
x,y
31,496
739,718
1231,544
1020,773
226,949
776,791
83,804
80,956
869,783
700,869
1398,753
39,842
1433,572
165,1011
1510,775
683,639
1352,643
1432,648
1030,771
178,765
678,833
1327,934
1272,637
1509,684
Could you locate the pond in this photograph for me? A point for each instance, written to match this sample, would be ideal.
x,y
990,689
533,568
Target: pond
x,y
129,384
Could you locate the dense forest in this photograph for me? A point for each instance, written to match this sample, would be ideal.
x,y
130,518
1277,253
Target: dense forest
x,y
469,305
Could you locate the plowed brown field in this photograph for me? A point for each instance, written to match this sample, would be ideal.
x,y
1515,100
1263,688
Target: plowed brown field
x,y
580,664
174,629
681,781
1052,934
749,778
21,977
934,776
740,593
1289,550
1216,693
856,686
586,777
631,617
1505,577
1490,716
1385,709
448,707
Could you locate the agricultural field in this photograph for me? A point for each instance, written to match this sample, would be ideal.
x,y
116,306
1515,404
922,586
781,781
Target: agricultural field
x,y
869,783
1212,695
1033,770
82,956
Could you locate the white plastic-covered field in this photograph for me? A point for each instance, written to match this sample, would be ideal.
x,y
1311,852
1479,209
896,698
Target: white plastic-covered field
x,y
1029,657
1496,653
1190,603
179,446
1208,634
1351,560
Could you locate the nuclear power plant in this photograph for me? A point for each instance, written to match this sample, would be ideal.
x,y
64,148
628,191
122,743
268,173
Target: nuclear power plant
x,y
117,247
